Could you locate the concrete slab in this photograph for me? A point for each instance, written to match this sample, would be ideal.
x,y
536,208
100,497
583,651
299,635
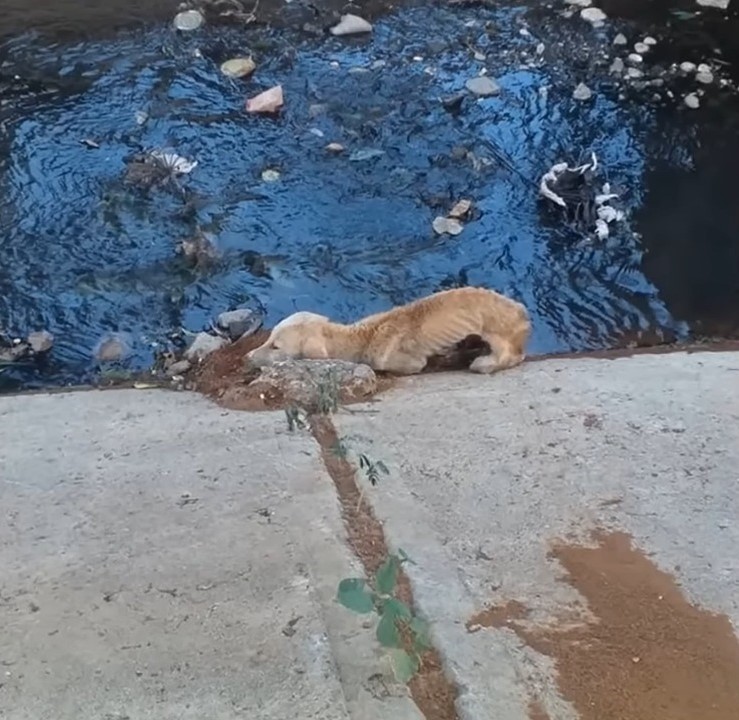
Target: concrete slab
x,y
162,558
486,471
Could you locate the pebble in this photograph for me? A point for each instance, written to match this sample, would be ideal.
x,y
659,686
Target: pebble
x,y
448,226
620,39
270,175
720,4
483,86
335,147
238,67
111,348
635,58
649,40
641,48
692,101
617,66
634,72
593,15
582,92
580,3
240,322
188,20
41,341
351,25
203,345
179,368
687,67
704,77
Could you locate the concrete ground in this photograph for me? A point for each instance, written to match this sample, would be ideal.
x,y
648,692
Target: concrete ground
x,y
162,558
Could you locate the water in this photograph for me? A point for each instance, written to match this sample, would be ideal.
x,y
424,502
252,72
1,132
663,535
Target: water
x,y
84,254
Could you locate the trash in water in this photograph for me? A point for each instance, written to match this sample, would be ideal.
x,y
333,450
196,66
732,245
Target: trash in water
x,y
87,142
175,163
188,20
447,226
575,190
269,101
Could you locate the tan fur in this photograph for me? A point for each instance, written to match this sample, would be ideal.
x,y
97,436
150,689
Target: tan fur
x,y
402,340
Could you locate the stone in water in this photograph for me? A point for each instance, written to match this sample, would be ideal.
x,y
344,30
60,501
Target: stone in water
x,y
188,20
483,86
582,92
351,25
238,67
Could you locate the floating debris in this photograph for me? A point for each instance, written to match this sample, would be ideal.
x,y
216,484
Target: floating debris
x,y
269,101
351,25
175,163
238,67
483,86
447,226
188,20
574,190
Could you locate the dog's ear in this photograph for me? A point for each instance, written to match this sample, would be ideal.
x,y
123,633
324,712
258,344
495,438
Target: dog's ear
x,y
314,348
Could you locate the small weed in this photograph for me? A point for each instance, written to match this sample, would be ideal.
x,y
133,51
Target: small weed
x,y
327,394
403,634
372,469
295,418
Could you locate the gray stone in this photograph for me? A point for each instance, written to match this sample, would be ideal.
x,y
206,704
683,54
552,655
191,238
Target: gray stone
x,y
483,85
111,348
179,368
692,101
309,383
351,25
620,39
41,341
582,92
617,66
595,16
687,67
203,345
241,322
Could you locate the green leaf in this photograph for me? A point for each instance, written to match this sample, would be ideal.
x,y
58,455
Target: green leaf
x,y
381,466
387,631
354,596
404,557
405,666
387,576
421,640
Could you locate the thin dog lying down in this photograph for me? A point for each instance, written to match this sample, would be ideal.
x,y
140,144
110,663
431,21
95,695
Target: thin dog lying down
x,y
403,339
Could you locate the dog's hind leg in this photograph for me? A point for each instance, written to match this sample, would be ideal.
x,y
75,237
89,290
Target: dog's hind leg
x,y
402,364
502,355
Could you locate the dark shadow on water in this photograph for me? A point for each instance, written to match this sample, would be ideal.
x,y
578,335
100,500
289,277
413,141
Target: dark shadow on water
x,y
85,254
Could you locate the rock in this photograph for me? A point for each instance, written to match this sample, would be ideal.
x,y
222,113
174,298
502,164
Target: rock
x,y
41,341
720,4
447,226
692,101
634,73
580,3
641,48
635,58
238,67
460,209
241,322
453,103
483,86
316,384
270,175
111,348
704,77
335,147
649,40
351,25
703,68
269,101
203,345
687,67
582,92
179,368
188,20
617,66
595,16
620,39
12,353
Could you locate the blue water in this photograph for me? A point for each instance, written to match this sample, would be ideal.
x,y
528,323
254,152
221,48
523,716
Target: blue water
x,y
84,254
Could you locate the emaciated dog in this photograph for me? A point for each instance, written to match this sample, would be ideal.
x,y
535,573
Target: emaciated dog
x,y
402,340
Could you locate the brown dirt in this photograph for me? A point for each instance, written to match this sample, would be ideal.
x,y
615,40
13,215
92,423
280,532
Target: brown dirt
x,y
650,656
537,711
497,616
430,689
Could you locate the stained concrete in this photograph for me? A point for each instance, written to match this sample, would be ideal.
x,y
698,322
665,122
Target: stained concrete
x,y
155,549
162,558
485,472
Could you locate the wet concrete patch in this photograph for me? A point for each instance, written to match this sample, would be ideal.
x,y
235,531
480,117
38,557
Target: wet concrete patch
x,y
646,653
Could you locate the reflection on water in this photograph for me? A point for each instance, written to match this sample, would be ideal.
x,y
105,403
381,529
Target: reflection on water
x,y
83,253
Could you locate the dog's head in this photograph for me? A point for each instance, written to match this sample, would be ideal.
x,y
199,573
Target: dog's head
x,y
299,335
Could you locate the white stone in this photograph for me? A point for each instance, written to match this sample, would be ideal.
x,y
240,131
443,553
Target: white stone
x,y
617,66
593,15
649,40
620,39
720,4
483,86
641,48
351,25
692,101
188,20
635,59
582,92
687,67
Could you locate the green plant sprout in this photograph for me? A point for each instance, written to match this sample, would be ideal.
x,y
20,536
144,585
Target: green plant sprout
x,y
403,634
